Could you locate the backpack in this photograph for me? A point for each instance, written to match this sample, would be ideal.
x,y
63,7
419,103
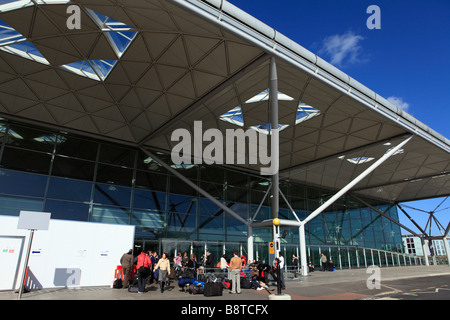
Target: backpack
x,y
117,284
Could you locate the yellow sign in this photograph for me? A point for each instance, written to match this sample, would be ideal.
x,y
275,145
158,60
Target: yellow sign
x,y
271,248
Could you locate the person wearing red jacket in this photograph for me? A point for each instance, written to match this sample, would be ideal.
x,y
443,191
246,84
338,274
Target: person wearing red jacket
x,y
143,260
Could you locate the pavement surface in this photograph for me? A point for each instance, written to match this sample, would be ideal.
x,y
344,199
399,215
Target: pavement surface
x,y
395,283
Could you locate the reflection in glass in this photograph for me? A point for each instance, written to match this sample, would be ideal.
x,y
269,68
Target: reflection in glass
x,y
11,206
112,195
27,138
68,189
66,210
111,215
21,183
149,219
148,199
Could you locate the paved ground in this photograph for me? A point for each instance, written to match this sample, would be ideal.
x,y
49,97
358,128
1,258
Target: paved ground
x,y
410,282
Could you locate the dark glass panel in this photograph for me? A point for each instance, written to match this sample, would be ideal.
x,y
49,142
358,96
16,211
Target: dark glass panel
x,y
297,190
151,180
27,138
21,183
117,155
112,195
214,189
236,194
25,160
146,163
77,148
67,189
66,210
179,187
237,179
114,175
73,168
212,174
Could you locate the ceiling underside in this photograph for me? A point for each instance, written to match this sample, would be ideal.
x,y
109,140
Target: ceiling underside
x,y
180,68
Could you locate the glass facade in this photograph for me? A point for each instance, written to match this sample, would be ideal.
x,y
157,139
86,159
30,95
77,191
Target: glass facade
x,y
81,179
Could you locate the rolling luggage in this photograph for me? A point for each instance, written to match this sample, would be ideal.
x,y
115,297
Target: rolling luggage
x,y
213,289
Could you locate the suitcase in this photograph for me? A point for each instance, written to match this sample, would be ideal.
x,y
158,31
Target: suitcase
x,y
213,289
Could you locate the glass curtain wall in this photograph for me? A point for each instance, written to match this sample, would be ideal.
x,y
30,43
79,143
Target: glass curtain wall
x,y
82,179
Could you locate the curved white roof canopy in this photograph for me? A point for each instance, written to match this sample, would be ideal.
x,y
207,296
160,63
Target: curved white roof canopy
x,y
137,70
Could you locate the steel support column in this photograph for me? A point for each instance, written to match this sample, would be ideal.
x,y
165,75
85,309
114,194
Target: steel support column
x,y
274,149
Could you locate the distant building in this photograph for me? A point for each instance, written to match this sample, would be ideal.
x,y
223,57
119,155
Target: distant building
x,y
412,245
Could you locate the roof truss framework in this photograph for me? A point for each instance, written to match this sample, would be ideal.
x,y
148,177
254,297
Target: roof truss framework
x,y
179,68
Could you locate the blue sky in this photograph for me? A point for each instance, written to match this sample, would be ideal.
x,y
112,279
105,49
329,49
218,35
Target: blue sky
x,y
406,61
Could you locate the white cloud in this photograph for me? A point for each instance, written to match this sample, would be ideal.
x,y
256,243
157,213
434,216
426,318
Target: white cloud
x,y
342,48
398,102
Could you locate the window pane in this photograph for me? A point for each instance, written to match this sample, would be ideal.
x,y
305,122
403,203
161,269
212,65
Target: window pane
x,y
147,163
113,174
67,189
73,168
77,148
66,210
11,206
27,138
22,183
179,187
112,195
151,180
148,219
117,155
26,160
179,203
148,199
110,215
182,222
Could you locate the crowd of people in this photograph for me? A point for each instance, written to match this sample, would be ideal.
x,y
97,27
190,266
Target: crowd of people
x,y
154,269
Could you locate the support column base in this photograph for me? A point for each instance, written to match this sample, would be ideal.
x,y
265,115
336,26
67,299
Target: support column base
x,y
279,297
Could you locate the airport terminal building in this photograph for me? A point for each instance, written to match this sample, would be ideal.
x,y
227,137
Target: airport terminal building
x,y
87,114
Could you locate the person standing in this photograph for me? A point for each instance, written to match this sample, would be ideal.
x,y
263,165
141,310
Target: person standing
x,y
295,265
164,270
127,265
235,269
323,260
143,260
224,263
209,264
281,266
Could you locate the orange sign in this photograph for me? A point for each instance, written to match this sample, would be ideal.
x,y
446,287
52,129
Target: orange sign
x,y
271,248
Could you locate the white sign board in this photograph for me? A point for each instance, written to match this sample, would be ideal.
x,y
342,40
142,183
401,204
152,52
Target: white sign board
x,y
32,220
